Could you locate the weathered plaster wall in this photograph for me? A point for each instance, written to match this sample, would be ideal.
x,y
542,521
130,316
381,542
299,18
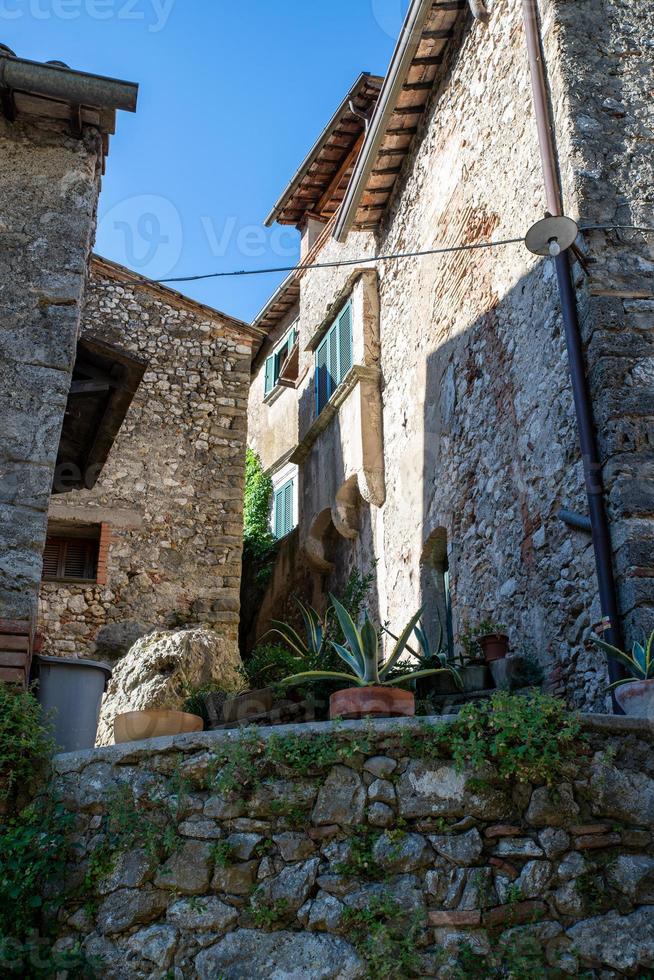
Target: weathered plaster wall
x,y
272,422
172,488
49,183
263,879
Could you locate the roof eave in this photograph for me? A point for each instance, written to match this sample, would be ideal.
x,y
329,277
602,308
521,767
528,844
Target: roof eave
x,y
65,84
404,53
288,192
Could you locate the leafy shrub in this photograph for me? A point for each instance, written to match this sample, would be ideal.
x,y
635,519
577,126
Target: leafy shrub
x,y
267,664
35,845
527,739
386,936
25,746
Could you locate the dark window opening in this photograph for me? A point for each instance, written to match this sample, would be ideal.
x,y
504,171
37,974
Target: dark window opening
x,y
71,555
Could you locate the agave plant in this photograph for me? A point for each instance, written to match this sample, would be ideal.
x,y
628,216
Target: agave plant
x,y
316,633
361,654
427,655
639,663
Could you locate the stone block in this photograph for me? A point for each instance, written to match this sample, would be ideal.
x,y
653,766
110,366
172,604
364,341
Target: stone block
x,y
188,871
248,954
341,799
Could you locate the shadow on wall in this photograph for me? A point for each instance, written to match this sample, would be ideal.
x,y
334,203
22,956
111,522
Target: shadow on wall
x,y
499,459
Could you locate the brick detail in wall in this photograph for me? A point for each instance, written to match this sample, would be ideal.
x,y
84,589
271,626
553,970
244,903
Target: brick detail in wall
x,y
103,553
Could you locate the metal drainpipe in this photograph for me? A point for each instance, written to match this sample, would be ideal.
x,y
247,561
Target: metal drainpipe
x,y
580,391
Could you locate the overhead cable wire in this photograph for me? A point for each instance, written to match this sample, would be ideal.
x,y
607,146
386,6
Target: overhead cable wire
x,y
443,250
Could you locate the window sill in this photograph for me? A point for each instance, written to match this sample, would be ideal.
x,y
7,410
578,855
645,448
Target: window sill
x,y
69,581
356,374
273,395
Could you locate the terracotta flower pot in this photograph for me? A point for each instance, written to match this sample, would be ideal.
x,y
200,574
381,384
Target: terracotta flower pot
x,y
134,726
367,702
494,646
637,699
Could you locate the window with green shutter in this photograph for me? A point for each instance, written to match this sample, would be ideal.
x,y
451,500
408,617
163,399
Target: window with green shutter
x,y
334,357
283,510
275,362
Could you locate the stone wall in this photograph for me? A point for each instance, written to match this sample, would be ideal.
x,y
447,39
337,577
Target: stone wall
x,y
479,433
251,857
605,145
171,491
49,184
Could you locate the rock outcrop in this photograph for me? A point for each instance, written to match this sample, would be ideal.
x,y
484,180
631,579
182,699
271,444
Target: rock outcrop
x,y
160,668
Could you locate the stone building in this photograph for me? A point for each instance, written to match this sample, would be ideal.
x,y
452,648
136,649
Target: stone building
x,y
157,540
416,415
55,125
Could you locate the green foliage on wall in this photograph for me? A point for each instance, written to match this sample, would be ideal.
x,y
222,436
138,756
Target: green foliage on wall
x,y
35,844
25,746
259,544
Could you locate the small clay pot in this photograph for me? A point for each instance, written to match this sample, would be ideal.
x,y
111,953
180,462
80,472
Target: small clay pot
x,y
134,726
371,702
637,699
494,646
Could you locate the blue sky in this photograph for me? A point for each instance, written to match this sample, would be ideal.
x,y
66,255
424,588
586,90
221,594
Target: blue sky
x,y
232,97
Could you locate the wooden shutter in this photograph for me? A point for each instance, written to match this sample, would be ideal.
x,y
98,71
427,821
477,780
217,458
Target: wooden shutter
x,y
288,508
78,561
322,375
70,558
269,383
51,558
283,521
344,342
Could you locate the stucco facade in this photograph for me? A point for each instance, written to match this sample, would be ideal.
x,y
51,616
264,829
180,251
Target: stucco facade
x,y
170,497
476,425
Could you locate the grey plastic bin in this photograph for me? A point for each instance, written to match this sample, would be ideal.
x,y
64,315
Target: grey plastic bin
x,y
70,692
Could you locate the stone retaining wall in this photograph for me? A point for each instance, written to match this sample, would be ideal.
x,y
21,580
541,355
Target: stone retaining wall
x,y
283,876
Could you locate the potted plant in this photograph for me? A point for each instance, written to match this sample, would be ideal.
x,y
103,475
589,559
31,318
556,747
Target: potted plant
x,y
634,694
374,692
491,639
425,658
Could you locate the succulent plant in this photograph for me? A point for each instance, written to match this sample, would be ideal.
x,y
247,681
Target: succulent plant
x,y
361,654
316,632
639,663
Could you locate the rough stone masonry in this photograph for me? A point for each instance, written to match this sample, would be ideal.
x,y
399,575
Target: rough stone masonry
x,y
171,492
54,135
49,183
268,878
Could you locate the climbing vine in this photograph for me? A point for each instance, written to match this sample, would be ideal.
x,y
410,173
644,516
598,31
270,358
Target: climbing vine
x,y
259,544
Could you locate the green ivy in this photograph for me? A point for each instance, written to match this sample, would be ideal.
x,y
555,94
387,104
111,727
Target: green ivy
x,y
259,544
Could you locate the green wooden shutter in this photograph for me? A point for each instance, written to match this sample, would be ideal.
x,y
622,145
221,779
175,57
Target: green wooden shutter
x,y
344,342
322,375
270,375
283,518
